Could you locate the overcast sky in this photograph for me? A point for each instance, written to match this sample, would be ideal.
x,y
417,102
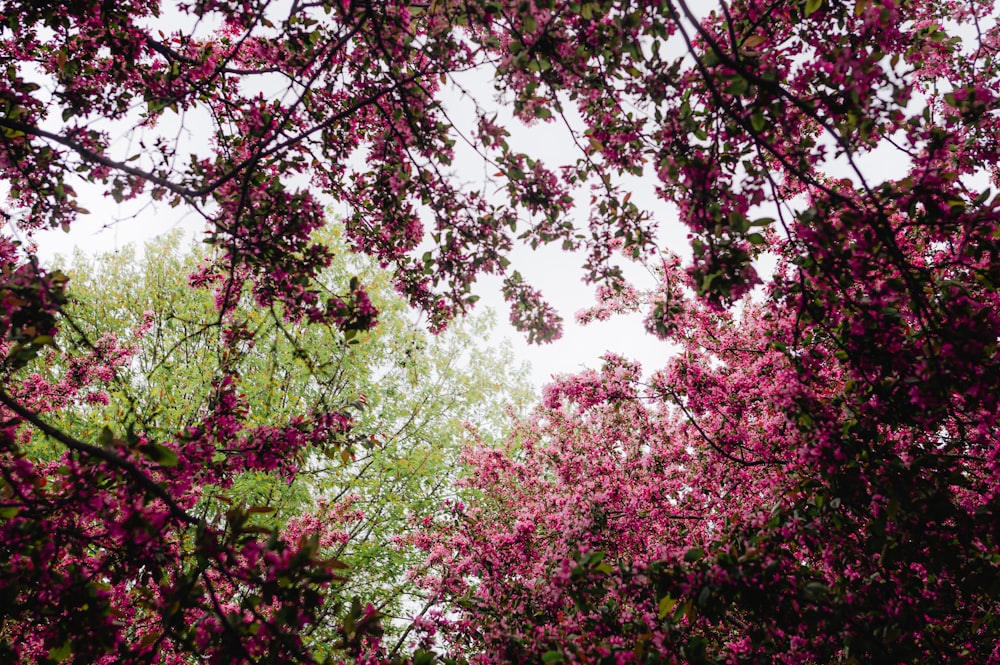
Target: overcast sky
x,y
557,273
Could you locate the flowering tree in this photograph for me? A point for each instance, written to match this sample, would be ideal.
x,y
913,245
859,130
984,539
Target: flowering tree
x,y
847,420
700,518
856,402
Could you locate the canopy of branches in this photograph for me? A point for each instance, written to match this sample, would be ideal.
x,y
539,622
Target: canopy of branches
x,y
813,478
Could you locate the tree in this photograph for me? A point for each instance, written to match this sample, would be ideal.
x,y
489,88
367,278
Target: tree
x,y
695,518
872,348
404,434
544,560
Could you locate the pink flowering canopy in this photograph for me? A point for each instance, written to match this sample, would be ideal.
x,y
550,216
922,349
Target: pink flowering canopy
x,y
814,477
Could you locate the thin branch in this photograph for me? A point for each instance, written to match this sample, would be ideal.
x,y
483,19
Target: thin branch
x,y
74,444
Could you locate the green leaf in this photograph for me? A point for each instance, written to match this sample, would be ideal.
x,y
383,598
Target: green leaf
x,y
738,87
694,554
666,605
812,6
159,454
552,657
422,657
695,649
59,654
706,282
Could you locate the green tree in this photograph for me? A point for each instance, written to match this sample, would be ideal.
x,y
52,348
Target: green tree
x,y
413,397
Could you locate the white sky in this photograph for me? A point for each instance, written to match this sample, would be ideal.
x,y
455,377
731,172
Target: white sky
x,y
557,273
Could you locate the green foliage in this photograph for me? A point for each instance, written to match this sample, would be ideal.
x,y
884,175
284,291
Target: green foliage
x,y
413,396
